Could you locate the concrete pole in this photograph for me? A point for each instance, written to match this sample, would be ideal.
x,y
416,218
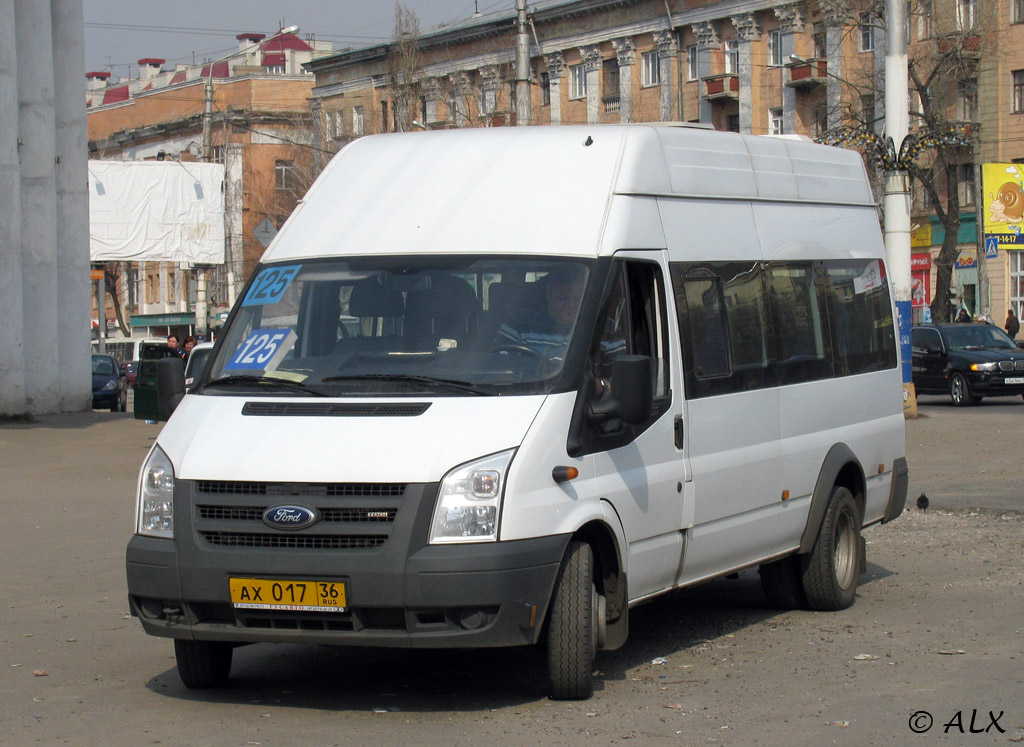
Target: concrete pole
x,y
72,207
12,372
37,127
523,103
897,183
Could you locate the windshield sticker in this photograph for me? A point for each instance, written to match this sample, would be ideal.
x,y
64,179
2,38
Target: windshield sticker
x,y
262,350
270,285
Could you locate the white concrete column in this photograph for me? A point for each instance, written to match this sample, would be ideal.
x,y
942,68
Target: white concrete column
x,y
708,39
835,13
791,22
462,86
556,74
37,128
592,68
667,49
625,51
747,32
72,207
233,194
12,372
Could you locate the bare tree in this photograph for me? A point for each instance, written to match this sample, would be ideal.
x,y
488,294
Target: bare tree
x,y
939,151
404,86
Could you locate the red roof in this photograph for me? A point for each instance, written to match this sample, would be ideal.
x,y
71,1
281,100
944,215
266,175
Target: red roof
x,y
179,77
286,41
254,37
115,95
220,70
151,61
97,75
273,59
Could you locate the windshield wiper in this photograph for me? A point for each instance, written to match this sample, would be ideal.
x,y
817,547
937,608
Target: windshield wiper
x,y
268,381
463,386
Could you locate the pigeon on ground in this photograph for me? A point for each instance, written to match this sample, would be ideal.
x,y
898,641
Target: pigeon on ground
x,y
922,501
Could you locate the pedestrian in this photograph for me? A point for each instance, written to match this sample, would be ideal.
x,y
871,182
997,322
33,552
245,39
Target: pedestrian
x,y
963,316
172,342
186,347
1012,324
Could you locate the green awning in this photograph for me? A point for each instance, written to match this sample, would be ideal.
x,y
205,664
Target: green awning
x,y
157,320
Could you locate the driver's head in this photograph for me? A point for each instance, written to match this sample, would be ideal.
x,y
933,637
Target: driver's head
x,y
563,291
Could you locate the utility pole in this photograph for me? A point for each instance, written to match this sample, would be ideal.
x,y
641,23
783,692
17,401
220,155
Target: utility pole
x,y
523,112
202,311
896,203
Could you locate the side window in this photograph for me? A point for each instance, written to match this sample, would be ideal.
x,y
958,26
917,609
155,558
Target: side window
x,y
797,295
924,340
723,324
863,338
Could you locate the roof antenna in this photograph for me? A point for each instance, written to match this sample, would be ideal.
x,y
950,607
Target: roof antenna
x,y
476,8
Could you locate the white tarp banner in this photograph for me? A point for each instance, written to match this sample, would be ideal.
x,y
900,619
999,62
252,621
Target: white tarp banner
x,y
156,211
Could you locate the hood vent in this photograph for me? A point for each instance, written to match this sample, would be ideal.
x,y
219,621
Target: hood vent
x,y
347,410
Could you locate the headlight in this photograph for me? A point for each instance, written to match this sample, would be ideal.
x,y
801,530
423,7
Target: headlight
x,y
469,501
983,366
156,496
111,384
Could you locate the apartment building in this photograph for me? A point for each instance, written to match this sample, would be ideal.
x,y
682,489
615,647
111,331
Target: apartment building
x,y
260,127
751,66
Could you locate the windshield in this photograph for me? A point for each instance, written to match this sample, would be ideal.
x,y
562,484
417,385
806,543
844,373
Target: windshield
x,y
978,337
401,326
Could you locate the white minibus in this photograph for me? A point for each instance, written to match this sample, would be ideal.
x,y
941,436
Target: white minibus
x,y
496,387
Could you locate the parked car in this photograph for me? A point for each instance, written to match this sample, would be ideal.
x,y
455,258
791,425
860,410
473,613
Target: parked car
x,y
196,361
967,361
109,386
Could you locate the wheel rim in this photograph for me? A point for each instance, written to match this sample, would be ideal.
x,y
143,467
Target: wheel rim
x,y
958,389
844,553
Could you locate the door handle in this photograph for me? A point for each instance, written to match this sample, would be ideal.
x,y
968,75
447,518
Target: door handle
x,y
678,429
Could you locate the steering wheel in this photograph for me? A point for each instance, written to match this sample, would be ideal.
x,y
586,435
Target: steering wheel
x,y
515,347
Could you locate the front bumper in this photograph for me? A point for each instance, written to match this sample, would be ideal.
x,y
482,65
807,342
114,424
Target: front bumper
x,y
403,593
986,384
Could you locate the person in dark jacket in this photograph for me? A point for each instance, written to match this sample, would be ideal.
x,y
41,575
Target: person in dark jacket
x,y
1012,324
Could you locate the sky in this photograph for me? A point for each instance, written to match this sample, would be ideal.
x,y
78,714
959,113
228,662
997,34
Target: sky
x,y
118,34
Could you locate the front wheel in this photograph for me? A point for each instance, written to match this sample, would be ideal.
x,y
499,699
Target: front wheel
x,y
574,626
959,392
202,664
832,567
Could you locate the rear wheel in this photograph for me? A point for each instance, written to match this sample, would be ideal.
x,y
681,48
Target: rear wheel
x,y
574,626
832,568
781,583
959,392
202,664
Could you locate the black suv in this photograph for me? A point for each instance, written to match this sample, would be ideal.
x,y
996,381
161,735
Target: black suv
x,y
969,361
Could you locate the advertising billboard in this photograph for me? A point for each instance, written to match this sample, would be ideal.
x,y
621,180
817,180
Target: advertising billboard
x,y
1003,202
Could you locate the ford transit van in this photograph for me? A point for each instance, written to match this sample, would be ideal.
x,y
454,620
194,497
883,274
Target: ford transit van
x,y
496,387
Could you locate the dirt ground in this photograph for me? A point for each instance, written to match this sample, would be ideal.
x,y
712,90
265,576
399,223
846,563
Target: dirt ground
x,y
937,630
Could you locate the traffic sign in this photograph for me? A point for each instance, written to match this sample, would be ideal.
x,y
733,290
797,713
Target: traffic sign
x,y
265,232
991,247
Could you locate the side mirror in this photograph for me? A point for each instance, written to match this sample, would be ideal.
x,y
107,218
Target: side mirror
x,y
632,394
170,385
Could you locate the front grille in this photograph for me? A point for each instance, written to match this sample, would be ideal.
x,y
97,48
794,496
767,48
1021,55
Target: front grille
x,y
1011,365
352,516
294,541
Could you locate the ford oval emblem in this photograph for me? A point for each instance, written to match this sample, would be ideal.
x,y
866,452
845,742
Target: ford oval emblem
x,y
289,517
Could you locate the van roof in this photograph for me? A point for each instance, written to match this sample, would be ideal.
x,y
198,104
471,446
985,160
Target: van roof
x,y
543,189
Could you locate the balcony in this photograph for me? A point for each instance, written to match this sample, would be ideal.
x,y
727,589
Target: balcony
x,y
723,86
963,44
808,73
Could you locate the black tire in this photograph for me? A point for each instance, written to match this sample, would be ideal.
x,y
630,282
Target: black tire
x,y
573,628
832,568
203,664
782,584
960,392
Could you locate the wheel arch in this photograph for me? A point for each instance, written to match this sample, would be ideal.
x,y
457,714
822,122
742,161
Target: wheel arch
x,y
611,575
840,467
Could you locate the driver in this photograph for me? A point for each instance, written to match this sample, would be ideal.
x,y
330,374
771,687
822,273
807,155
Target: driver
x,y
546,331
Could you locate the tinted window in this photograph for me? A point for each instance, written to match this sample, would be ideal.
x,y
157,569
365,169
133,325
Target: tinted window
x,y
863,339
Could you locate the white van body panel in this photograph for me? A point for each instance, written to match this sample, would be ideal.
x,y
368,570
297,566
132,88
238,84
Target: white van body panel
x,y
202,440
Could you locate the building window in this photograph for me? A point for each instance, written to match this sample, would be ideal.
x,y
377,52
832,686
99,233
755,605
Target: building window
x,y
925,20
732,56
820,37
577,82
652,70
545,89
965,184
217,153
967,100
966,14
610,77
775,121
1017,15
867,33
1018,91
357,120
1017,282
867,110
692,71
820,119
384,116
732,123
775,48
284,174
